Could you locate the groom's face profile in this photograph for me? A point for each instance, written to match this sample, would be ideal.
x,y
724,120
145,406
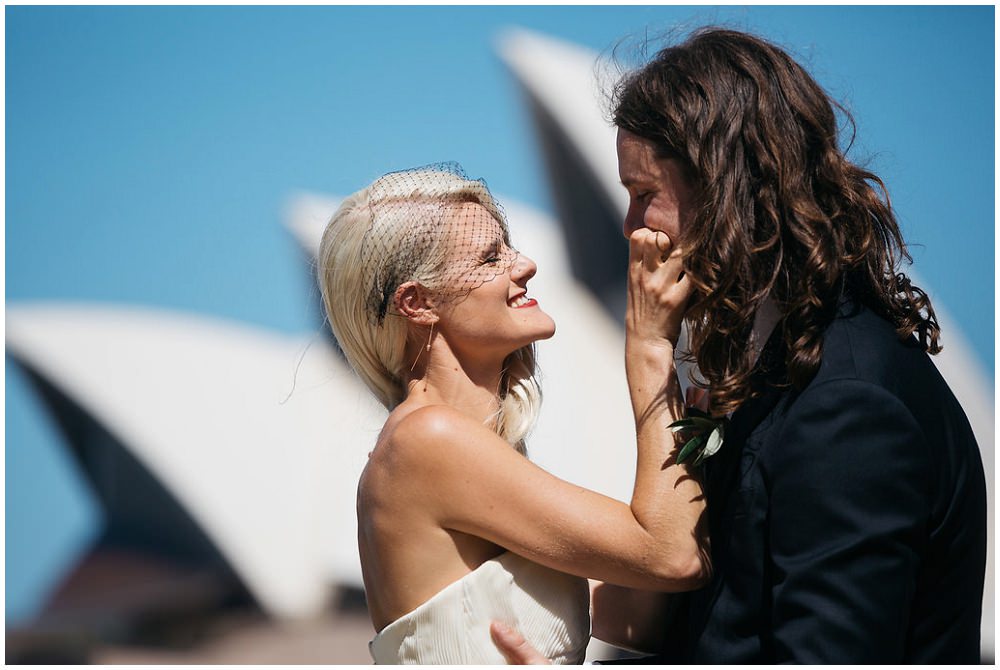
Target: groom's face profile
x,y
660,196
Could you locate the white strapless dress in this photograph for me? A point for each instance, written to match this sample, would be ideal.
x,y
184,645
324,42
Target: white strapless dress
x,y
551,609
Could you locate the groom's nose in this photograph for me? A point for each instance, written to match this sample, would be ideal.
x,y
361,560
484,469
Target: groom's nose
x,y
635,218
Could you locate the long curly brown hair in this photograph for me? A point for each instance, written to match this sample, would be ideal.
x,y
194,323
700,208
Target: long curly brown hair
x,y
781,211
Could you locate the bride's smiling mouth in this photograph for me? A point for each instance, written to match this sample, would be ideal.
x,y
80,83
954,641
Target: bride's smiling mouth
x,y
521,301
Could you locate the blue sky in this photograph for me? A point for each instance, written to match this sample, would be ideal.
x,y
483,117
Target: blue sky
x,y
150,152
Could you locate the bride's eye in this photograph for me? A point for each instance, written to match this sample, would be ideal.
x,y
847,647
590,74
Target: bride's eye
x,y
493,255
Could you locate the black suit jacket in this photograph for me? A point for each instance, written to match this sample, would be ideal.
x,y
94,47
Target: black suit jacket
x,y
848,520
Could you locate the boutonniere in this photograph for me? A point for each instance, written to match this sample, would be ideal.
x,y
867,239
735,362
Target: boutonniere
x,y
706,434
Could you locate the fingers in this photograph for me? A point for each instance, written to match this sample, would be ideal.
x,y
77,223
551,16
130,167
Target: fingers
x,y
514,647
653,249
663,244
658,287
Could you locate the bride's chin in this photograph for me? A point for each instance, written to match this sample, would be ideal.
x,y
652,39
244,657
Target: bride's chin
x,y
549,333
545,335
536,338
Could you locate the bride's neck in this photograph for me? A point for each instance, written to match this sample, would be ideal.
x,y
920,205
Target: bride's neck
x,y
472,387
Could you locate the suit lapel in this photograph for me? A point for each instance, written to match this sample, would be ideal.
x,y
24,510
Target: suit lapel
x,y
722,471
767,380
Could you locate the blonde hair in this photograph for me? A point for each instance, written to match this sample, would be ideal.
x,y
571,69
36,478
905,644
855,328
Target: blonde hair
x,y
352,278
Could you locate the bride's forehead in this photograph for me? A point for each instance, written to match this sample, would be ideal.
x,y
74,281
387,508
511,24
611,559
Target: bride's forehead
x,y
472,223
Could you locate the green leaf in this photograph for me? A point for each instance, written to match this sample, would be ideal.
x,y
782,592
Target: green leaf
x,y
695,412
691,445
706,424
694,422
680,424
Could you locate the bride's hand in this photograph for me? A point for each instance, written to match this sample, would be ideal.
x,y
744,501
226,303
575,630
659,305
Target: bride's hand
x,y
658,288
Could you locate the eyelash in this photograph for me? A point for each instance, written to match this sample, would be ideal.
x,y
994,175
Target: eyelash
x,y
494,256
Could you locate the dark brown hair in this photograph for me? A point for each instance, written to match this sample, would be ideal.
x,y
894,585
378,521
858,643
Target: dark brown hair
x,y
781,211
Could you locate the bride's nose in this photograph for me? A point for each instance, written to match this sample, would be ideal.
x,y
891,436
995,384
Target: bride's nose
x,y
523,269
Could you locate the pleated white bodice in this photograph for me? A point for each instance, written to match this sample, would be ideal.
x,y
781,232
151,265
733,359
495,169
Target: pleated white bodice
x,y
551,609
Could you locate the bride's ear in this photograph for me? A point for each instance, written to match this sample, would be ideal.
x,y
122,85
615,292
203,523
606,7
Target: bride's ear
x,y
415,303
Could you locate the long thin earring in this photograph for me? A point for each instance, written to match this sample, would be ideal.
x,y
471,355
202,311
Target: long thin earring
x,y
429,336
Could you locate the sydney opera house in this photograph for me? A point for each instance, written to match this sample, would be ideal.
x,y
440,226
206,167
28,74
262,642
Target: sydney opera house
x,y
224,498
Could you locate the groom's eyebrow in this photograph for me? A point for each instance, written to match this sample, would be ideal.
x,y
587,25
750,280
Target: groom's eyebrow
x,y
630,182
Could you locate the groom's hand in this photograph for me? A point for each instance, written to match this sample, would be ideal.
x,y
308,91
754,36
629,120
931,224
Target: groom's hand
x,y
514,647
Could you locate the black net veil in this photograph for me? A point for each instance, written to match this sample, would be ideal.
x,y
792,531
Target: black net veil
x,y
435,226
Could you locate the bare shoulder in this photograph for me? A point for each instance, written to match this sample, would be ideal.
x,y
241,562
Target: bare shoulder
x,y
420,435
430,421
425,457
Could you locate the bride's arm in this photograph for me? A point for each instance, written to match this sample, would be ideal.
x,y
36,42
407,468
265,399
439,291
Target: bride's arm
x,y
658,292
471,481
629,618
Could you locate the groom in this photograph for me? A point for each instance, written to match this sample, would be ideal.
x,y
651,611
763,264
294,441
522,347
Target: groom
x,y
847,505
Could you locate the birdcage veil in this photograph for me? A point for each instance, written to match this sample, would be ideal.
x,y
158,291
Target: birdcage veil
x,y
436,226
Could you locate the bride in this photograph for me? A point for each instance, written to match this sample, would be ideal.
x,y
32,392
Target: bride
x,y
456,527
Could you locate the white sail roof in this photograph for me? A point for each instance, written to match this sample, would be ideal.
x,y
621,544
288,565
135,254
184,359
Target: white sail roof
x,y
201,403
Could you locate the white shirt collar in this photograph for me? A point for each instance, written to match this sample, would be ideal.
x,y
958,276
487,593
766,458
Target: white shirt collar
x,y
765,320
